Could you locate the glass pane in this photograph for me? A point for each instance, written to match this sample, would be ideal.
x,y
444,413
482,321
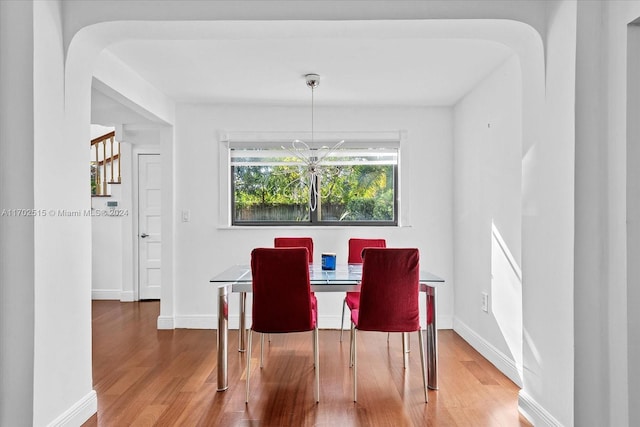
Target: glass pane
x,y
270,193
356,186
357,193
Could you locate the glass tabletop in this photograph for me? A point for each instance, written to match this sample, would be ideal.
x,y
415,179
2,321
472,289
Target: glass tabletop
x,y
343,274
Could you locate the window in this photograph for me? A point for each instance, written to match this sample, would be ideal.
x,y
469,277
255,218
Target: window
x,y
356,185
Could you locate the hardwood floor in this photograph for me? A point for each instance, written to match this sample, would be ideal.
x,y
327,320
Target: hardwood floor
x,y
146,377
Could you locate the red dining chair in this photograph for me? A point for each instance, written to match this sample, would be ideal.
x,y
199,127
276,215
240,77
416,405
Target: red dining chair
x,y
282,299
292,242
295,242
356,246
387,308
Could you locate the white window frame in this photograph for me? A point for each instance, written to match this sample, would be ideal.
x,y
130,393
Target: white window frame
x,y
228,140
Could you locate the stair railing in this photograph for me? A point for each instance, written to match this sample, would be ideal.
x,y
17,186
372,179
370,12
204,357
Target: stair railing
x,y
100,173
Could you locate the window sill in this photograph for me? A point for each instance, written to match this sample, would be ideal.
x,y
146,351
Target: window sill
x,y
305,227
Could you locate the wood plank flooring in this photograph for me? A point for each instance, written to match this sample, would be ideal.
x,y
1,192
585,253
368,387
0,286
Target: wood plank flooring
x,y
147,377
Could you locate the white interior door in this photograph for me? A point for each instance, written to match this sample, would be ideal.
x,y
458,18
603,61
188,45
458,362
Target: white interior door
x,y
149,226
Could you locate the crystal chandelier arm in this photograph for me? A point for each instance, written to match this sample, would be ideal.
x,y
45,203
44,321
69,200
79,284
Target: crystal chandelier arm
x,y
301,151
330,151
297,153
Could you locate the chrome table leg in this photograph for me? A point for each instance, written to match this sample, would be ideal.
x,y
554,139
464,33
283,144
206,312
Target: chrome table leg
x,y
242,329
223,335
432,339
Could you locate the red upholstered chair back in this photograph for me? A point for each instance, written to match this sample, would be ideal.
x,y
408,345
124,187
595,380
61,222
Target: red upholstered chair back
x,y
281,290
389,290
357,245
295,242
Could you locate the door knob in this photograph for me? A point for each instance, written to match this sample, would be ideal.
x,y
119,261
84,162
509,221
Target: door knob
x,y
143,235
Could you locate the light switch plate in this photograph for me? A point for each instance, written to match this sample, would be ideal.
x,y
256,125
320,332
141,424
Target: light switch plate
x,y
484,304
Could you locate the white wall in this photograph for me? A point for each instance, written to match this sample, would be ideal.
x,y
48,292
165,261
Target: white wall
x,y
633,213
62,350
633,225
17,304
619,373
591,325
205,246
487,190
548,229
107,247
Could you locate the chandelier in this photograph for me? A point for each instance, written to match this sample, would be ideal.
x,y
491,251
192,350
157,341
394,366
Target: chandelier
x,y
310,156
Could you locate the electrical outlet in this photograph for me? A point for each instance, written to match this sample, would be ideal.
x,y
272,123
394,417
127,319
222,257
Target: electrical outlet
x,y
484,304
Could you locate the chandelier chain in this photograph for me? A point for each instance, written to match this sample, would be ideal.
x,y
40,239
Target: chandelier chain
x,y
312,112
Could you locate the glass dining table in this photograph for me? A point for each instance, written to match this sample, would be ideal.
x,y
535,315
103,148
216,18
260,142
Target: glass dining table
x,y
345,278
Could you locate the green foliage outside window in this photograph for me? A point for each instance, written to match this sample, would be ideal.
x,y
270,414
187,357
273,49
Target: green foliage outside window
x,y
362,193
94,174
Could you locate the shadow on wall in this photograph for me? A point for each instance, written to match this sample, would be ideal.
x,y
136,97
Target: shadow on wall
x,y
506,296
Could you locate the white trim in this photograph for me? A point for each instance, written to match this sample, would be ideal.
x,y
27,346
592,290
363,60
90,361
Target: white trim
x,y
137,151
165,322
267,139
504,363
303,227
80,412
404,185
127,296
535,413
358,139
205,321
333,321
442,321
224,190
202,321
105,294
128,293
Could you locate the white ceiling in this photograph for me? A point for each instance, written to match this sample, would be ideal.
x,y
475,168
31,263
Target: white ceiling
x,y
377,65
362,71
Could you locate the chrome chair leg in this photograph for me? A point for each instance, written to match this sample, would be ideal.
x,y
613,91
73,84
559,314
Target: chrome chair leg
x,y
355,358
344,303
316,357
248,354
351,345
261,351
422,363
405,351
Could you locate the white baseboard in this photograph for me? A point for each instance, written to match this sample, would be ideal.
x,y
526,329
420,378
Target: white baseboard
x,y
202,321
527,406
333,322
535,413
442,322
112,294
165,322
105,294
211,322
127,296
80,412
505,364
